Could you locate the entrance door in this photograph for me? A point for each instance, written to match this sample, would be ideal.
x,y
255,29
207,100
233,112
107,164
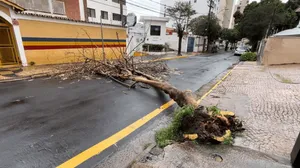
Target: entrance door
x,y
8,54
190,47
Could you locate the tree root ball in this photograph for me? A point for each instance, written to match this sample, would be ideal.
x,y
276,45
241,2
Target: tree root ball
x,y
208,126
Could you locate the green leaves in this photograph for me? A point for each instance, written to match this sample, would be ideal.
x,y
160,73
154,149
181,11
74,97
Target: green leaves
x,y
268,14
249,56
232,35
199,26
180,13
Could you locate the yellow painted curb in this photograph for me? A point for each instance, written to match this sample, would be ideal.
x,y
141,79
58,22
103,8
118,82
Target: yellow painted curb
x,y
214,87
170,58
101,146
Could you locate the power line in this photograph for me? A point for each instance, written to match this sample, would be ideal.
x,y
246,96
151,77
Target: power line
x,y
114,6
152,10
148,7
160,3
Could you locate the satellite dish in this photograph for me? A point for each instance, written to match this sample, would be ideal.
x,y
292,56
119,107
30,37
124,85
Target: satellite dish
x,y
131,19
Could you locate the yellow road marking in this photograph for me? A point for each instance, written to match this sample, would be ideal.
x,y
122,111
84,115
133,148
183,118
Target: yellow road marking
x,y
215,86
101,146
170,58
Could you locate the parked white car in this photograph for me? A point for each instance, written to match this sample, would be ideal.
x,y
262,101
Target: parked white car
x,y
241,50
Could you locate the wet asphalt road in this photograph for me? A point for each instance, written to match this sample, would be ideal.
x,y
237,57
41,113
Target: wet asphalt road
x,y
45,122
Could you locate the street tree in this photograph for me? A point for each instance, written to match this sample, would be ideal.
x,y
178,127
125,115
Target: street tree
x,y
129,71
231,36
237,17
181,13
199,26
264,18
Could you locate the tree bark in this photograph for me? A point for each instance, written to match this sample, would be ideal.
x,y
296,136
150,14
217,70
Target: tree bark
x,y
254,47
180,36
182,98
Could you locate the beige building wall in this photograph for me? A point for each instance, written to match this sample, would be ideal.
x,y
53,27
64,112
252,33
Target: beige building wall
x,y
225,13
221,13
242,5
228,15
282,50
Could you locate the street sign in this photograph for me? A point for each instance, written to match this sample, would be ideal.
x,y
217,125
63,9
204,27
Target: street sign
x,y
131,19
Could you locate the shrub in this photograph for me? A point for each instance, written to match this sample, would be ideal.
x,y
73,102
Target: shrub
x,y
248,56
166,136
153,47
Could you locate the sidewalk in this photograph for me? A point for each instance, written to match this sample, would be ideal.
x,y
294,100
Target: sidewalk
x,y
30,72
267,100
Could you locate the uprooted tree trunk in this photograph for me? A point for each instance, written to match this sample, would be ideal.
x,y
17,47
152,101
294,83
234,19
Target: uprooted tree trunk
x,y
126,68
150,72
182,98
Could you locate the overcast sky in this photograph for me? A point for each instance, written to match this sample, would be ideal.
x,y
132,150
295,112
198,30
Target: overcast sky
x,y
152,7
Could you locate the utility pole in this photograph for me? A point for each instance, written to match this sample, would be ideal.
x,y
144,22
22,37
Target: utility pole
x,y
121,12
211,6
102,39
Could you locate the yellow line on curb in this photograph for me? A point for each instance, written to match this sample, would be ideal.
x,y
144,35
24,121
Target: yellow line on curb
x,y
101,146
170,58
215,86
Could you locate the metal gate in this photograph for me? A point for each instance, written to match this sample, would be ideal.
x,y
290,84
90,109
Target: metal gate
x,y
8,55
190,47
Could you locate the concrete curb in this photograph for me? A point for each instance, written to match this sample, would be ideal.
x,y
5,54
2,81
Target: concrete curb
x,y
213,86
141,155
25,78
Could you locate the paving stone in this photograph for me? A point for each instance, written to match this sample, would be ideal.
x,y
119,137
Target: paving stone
x,y
268,106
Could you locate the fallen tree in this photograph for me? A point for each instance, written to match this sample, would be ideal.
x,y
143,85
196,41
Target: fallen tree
x,y
204,125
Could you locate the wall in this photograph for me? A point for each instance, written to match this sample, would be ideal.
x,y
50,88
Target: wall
x,y
135,39
172,41
5,10
282,50
108,6
49,41
72,9
228,14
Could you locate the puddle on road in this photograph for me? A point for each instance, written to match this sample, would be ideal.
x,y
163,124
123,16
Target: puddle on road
x,y
17,101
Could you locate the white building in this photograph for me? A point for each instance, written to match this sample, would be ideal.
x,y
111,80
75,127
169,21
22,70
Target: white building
x,y
108,10
151,30
155,29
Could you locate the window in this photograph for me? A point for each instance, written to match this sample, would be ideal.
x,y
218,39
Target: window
x,y
91,12
116,17
195,1
155,31
58,7
104,15
238,8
